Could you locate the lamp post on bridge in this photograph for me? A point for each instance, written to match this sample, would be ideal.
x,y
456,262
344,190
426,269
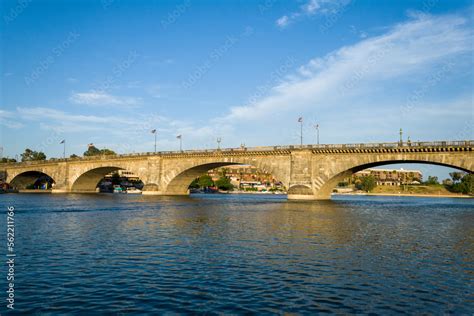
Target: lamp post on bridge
x,y
401,137
300,120
219,143
317,133
180,137
64,148
153,131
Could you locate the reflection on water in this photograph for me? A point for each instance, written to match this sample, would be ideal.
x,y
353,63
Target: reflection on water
x,y
109,253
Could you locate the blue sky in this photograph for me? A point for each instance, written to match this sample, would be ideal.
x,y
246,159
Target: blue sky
x,y
107,72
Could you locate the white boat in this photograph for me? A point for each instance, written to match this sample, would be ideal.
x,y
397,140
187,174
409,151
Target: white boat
x,y
133,190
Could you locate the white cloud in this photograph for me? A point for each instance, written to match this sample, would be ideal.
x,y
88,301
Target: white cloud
x,y
311,8
103,98
48,114
409,50
283,21
8,119
154,90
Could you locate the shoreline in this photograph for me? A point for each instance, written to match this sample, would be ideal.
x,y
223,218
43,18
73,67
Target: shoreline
x,y
414,195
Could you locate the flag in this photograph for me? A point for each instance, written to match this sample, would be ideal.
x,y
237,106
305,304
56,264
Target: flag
x,y
63,141
300,120
317,126
153,131
179,136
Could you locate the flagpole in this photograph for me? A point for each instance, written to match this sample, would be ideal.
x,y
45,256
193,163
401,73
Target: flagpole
x,y
301,132
155,141
181,143
64,149
318,134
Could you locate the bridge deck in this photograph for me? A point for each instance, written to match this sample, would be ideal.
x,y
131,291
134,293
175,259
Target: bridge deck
x,y
434,146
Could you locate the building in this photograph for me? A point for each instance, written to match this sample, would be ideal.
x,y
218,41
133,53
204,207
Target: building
x,y
391,176
246,177
123,174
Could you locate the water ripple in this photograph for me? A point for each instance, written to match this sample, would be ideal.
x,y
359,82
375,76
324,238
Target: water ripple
x,y
214,254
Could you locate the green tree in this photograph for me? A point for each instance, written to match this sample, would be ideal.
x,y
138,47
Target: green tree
x,y
205,181
74,156
223,183
94,151
456,176
107,152
367,183
4,160
467,183
432,180
194,184
31,155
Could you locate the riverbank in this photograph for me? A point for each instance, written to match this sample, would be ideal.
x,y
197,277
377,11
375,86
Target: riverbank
x,y
411,194
410,190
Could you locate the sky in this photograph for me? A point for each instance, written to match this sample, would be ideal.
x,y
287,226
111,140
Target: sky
x,y
107,72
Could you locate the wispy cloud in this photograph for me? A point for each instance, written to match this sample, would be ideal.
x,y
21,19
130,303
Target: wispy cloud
x,y
310,8
8,119
155,90
360,71
283,21
43,114
103,98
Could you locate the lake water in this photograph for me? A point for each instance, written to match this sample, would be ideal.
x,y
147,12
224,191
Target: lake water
x,y
239,254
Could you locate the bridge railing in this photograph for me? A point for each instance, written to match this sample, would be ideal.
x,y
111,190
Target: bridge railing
x,y
464,143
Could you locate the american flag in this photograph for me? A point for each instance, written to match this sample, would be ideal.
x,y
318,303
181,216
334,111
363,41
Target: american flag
x,y
63,141
153,131
300,120
179,136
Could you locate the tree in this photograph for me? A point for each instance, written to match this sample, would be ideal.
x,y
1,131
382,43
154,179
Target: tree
x,y
194,184
94,151
456,176
205,181
74,156
467,183
107,152
367,183
4,160
31,155
432,180
224,184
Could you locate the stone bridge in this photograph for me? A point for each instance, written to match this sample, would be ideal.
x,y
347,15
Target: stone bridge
x,y
309,172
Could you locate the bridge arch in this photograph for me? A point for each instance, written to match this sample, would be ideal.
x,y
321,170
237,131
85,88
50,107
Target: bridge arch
x,y
176,180
26,179
324,184
88,181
